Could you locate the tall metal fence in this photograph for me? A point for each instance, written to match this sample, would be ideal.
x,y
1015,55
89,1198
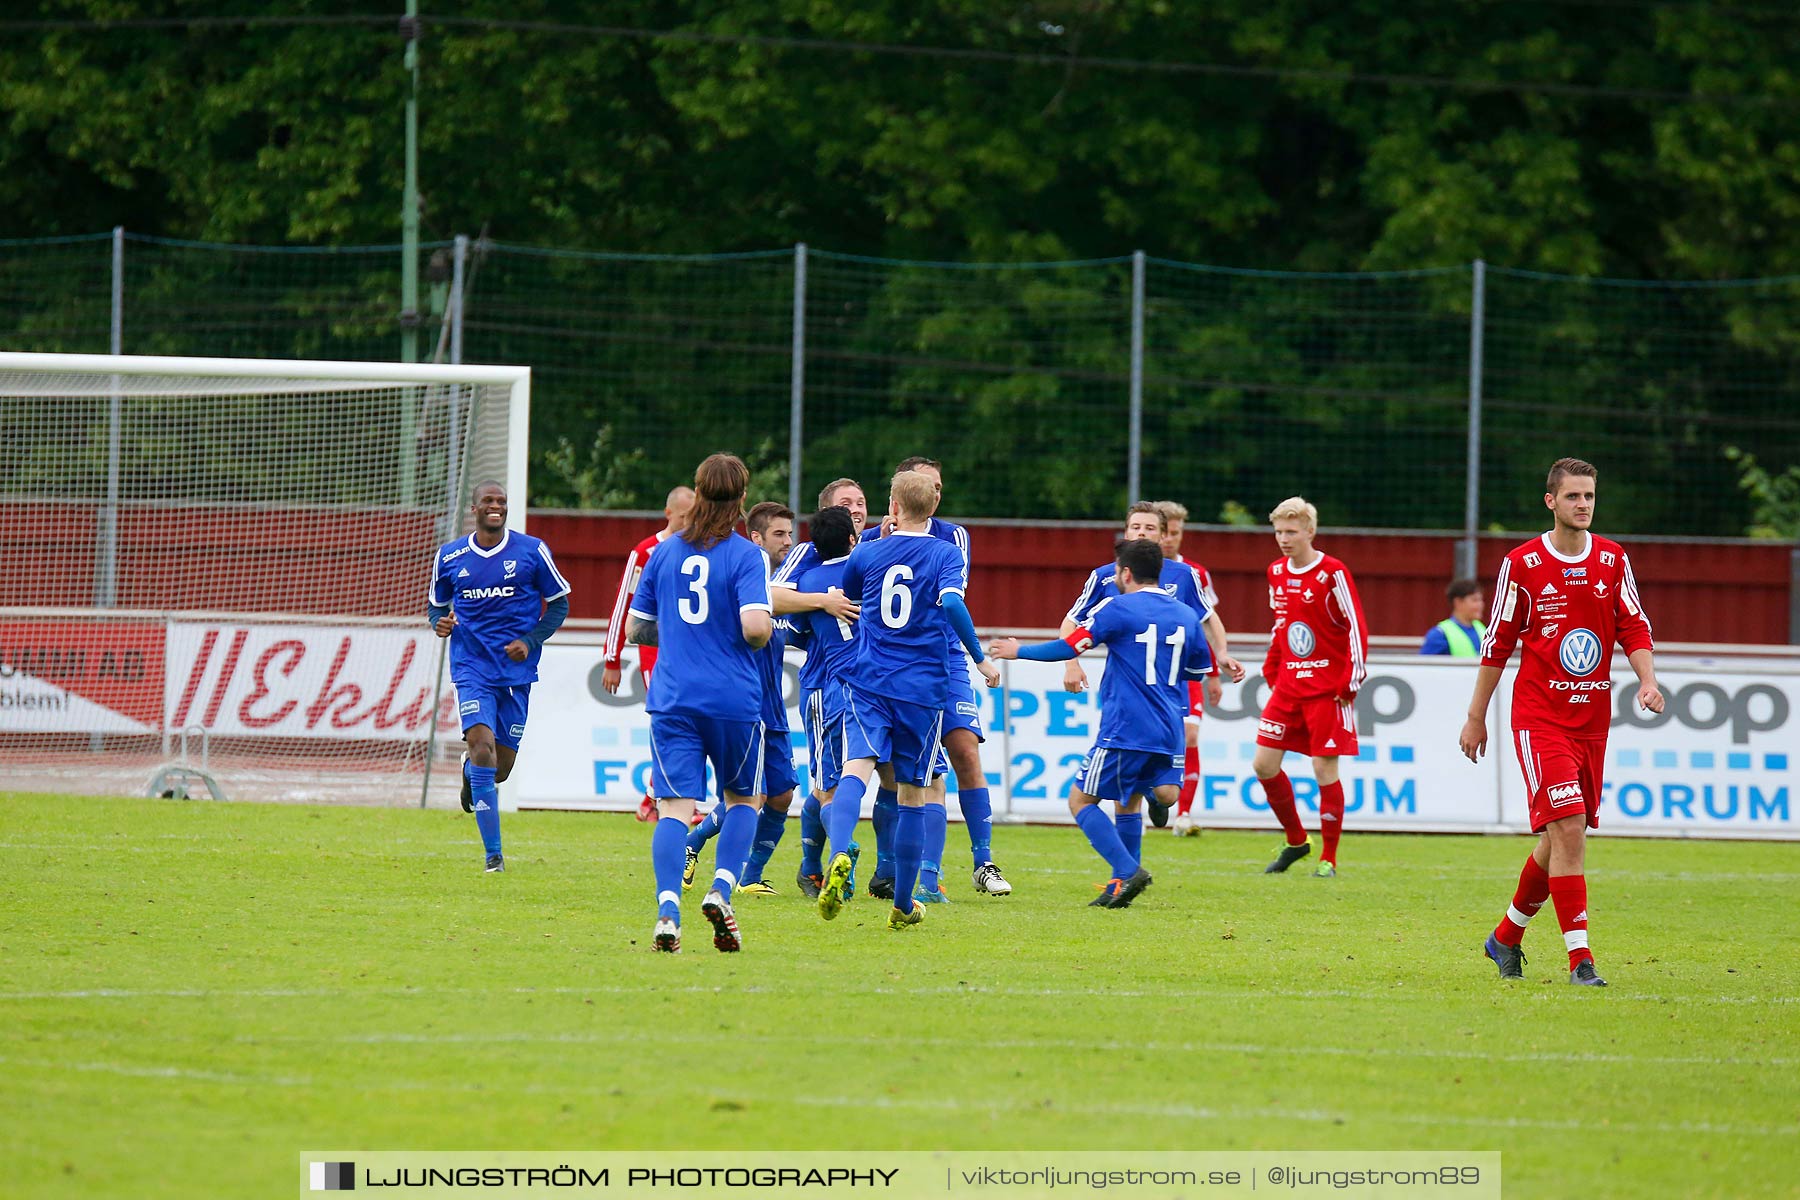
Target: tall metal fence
x,y
1420,399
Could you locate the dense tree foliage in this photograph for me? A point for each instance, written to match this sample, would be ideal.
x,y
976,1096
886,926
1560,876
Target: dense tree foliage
x,y
1641,140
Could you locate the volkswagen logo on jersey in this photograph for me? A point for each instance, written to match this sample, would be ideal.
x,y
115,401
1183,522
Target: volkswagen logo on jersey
x,y
1580,651
1300,639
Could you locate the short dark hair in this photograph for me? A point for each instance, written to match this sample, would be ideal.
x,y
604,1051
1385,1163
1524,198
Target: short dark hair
x,y
1143,558
832,529
765,514
917,461
1462,587
1569,466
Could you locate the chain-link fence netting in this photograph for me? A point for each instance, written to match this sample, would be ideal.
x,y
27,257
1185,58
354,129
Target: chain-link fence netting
x,y
641,367
1016,378
1656,384
1353,390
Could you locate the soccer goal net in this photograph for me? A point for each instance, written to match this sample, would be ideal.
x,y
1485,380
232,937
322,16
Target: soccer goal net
x,y
214,571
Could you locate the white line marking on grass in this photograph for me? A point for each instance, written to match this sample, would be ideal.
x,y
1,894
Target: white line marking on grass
x,y
148,1072
1373,994
953,1043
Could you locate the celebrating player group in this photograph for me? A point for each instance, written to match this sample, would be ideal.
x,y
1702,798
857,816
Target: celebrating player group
x,y
888,698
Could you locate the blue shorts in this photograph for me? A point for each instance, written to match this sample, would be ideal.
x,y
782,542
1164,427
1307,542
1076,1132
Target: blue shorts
x,y
778,762
1118,775
907,736
502,709
961,709
824,740
681,745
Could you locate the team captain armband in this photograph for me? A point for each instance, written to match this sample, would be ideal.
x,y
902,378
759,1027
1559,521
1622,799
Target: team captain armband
x,y
1080,639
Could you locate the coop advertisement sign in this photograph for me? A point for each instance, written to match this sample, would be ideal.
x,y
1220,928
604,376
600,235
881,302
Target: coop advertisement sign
x,y
1714,764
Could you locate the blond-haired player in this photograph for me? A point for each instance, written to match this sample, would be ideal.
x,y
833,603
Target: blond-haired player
x,y
1200,692
1317,661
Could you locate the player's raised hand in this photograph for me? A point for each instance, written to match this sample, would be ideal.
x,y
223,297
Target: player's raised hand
x,y
989,671
1651,697
1074,678
610,678
1474,739
444,624
1231,667
517,650
1003,648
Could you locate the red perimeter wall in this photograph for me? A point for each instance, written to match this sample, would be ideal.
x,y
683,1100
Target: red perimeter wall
x,y
1025,576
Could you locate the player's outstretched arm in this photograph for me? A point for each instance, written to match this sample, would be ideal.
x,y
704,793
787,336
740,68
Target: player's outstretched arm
x,y
1473,740
1219,644
788,602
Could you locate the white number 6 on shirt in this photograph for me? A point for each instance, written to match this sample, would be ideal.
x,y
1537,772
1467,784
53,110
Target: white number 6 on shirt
x,y
896,597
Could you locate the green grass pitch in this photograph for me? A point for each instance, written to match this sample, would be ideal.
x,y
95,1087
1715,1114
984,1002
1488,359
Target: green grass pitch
x,y
194,992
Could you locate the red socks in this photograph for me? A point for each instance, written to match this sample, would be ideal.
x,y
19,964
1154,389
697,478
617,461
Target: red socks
x,y
1190,781
1331,819
1569,894
1280,792
1533,890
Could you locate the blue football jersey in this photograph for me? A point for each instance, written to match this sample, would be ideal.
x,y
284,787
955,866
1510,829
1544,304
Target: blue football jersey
x,y
899,581
703,665
497,596
771,666
830,642
1154,646
1178,579
955,535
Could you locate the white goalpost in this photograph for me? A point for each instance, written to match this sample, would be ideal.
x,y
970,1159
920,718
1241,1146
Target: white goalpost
x,y
213,577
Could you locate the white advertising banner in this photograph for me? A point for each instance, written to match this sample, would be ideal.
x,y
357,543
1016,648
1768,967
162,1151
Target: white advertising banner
x,y
1715,764
304,681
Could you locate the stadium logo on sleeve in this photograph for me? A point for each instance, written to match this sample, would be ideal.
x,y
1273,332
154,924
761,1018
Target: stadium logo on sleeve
x,y
1579,652
1300,639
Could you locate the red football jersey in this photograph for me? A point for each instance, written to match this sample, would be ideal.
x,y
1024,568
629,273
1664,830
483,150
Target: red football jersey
x,y
1568,613
1202,580
615,628
1319,645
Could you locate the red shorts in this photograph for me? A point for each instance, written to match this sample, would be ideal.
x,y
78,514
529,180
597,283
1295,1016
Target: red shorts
x,y
1322,726
1562,774
1196,700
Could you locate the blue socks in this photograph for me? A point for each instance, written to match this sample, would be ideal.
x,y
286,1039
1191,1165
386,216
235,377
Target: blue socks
x,y
668,855
1131,834
736,830
770,825
707,829
1105,840
486,798
937,825
887,806
842,814
909,843
812,836
978,815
